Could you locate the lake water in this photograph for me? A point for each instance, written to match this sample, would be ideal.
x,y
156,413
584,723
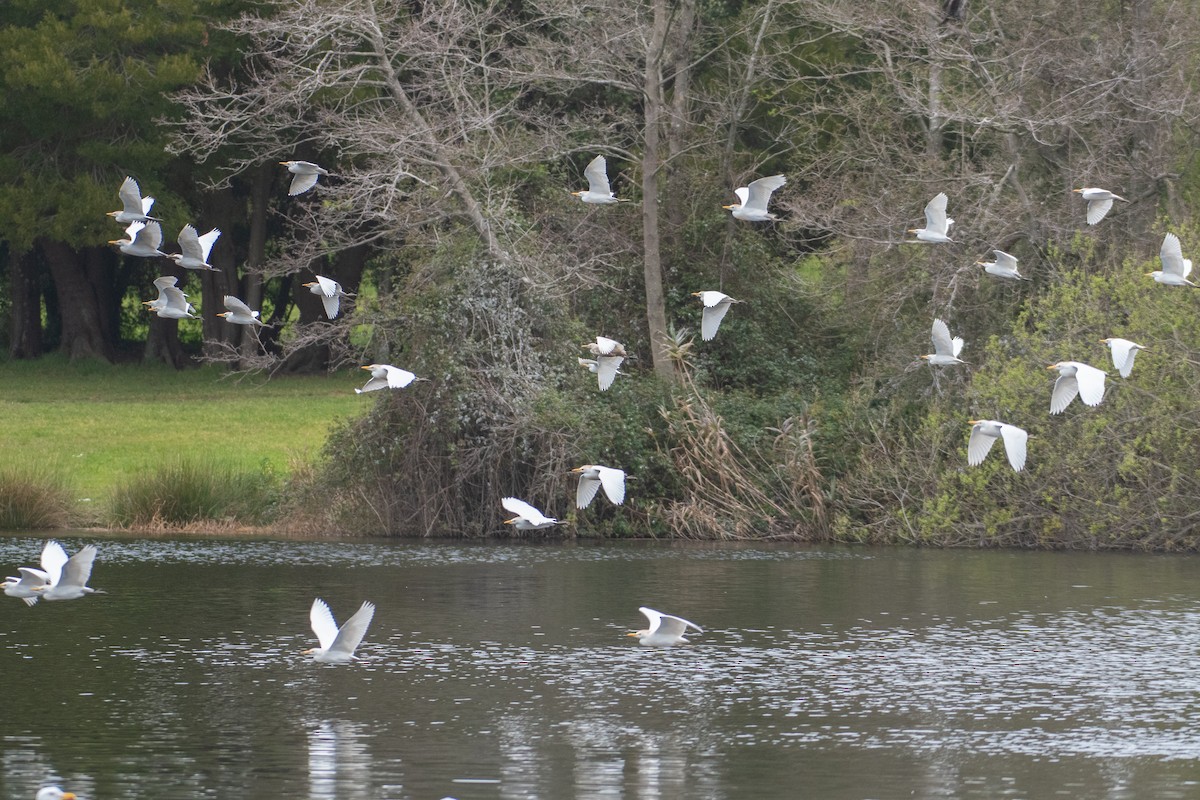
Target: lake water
x,y
502,671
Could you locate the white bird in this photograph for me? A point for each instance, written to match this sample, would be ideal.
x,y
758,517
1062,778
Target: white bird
x,y
1175,268
141,239
592,477
195,249
664,630
337,645
53,793
171,302
385,376
937,224
528,518
984,434
598,191
716,304
1076,378
1005,266
330,292
609,355
1099,202
71,581
593,366
945,349
754,199
29,586
135,208
305,173
239,313
1123,352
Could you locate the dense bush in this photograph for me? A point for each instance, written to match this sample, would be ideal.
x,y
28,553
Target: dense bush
x,y
33,497
191,491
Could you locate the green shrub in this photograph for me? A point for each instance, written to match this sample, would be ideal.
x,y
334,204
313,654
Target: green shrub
x,y
196,490
33,497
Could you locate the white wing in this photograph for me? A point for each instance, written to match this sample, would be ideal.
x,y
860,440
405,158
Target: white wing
x,y
597,176
79,567
606,370
166,281
132,229
978,446
935,213
54,558
1171,254
759,191
398,378
743,195
151,235
606,345
586,491
1014,445
189,243
328,286
1091,384
302,182
175,299
614,484
943,345
711,318
321,619
524,510
1097,209
207,241
666,623
352,633
237,306
1123,352
131,197
1005,260
332,305
1065,389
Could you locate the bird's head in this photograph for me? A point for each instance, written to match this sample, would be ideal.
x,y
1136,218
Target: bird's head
x,y
112,213
1054,366
512,521
912,230
924,357
697,294
224,314
1077,191
974,421
287,163
578,194
730,207
310,285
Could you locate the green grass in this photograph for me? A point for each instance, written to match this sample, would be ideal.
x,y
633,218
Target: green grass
x,y
102,425
191,490
33,496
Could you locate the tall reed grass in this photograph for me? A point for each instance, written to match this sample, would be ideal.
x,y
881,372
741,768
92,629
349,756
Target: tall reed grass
x,y
33,497
189,491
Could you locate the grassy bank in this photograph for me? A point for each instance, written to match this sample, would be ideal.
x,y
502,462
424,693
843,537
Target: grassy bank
x,y
99,426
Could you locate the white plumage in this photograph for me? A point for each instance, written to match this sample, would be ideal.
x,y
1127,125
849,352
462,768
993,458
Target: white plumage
x,y
754,199
609,355
305,174
665,630
337,645
71,582
1076,378
1099,202
141,239
984,434
30,585
239,313
195,249
598,191
716,304
1123,353
945,349
528,518
1005,266
385,376
592,477
330,292
1175,268
937,224
134,207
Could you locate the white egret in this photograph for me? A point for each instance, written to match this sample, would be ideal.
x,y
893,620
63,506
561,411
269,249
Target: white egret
x,y
984,434
337,645
171,302
141,239
609,355
592,477
716,304
1076,378
53,793
134,207
71,581
195,249
29,586
593,366
945,349
1099,202
1123,352
754,199
598,191
239,313
1005,266
305,175
330,292
1175,268
937,224
385,376
528,518
665,630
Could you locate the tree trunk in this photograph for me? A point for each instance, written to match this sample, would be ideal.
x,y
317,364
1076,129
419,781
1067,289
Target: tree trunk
x,y
656,311
26,314
681,77
82,316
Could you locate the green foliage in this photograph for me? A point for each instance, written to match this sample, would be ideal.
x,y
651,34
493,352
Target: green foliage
x,y
192,490
33,496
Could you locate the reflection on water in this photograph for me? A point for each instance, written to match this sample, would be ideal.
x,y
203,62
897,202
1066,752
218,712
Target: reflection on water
x,y
502,671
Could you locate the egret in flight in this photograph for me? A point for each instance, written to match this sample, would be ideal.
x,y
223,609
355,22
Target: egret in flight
x,y
592,477
1175,268
141,239
305,174
528,518
330,292
984,434
609,354
1076,378
1099,201
665,630
171,302
598,191
195,249
337,645
754,199
29,586
937,224
239,313
385,376
1123,352
716,304
71,581
945,349
134,207
1005,266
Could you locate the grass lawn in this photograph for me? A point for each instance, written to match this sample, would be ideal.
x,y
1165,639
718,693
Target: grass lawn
x,y
98,424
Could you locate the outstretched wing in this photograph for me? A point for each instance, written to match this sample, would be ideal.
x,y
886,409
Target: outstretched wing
x,y
1005,260
1097,209
79,567
352,633
606,370
935,213
1091,384
151,235
711,318
54,558
597,176
1014,445
398,378
189,243
586,491
978,446
1065,389
1171,255
321,619
520,508
131,197
237,306
759,191
943,345
302,182
614,484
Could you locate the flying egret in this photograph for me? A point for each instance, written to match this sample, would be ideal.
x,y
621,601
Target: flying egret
x,y
1005,266
1099,202
171,302
135,208
609,354
337,644
937,224
945,350
141,239
195,249
1175,268
716,304
1123,352
385,376
598,191
592,477
593,366
528,518
754,199
239,313
305,173
984,434
71,581
29,586
665,630
53,793
1076,378
330,292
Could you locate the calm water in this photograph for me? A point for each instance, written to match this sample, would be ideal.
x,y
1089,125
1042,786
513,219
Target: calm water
x,y
502,671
